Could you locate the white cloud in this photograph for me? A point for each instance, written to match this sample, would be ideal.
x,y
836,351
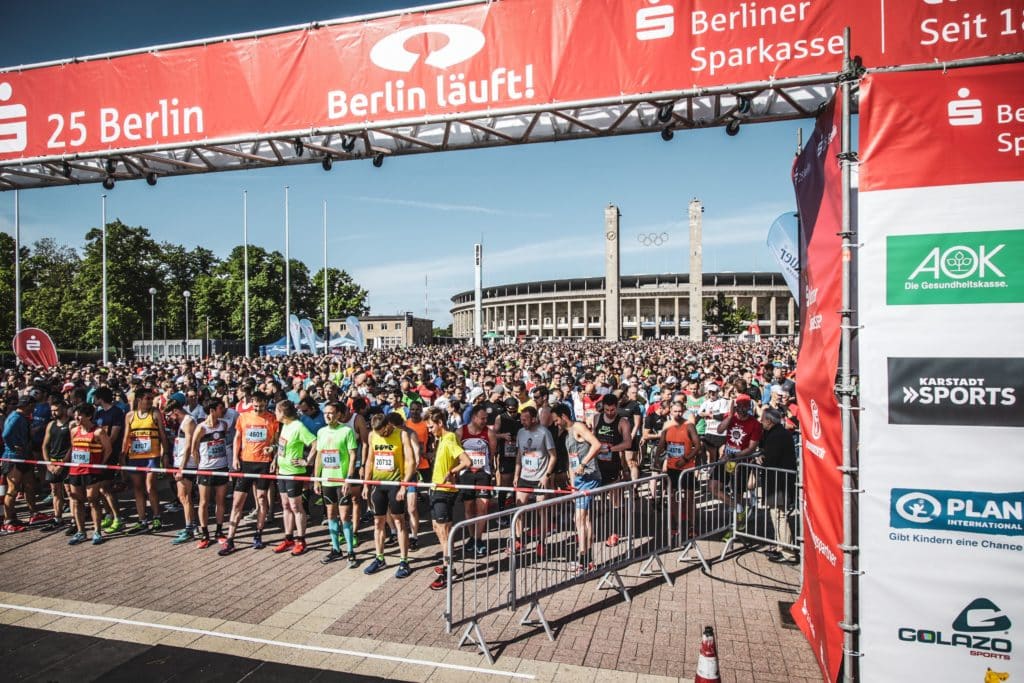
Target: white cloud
x,y
441,206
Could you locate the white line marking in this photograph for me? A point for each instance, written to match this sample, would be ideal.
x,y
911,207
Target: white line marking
x,y
264,641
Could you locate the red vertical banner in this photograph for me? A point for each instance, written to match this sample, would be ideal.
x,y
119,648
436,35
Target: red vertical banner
x,y
818,185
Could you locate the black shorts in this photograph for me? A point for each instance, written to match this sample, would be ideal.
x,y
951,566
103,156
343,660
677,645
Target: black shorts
x,y
245,484
290,487
713,440
611,471
213,480
9,466
58,477
332,495
83,480
673,479
386,499
442,506
477,478
506,465
528,484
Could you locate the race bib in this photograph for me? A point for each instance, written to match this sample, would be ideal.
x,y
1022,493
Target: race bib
x,y
531,460
676,450
605,454
384,462
80,456
574,462
142,444
510,450
256,434
478,459
179,447
330,459
215,448
729,450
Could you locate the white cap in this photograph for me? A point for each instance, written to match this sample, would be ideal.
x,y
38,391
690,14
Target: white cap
x,y
476,393
777,389
711,386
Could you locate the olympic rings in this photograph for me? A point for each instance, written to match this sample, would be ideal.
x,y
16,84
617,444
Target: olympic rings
x,y
652,239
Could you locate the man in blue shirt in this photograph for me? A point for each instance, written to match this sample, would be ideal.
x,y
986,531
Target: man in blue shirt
x,y
20,476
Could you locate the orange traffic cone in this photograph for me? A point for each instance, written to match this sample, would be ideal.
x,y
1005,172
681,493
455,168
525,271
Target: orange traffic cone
x,y
707,663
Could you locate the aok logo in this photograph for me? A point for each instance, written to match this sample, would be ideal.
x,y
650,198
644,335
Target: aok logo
x,y
955,268
392,53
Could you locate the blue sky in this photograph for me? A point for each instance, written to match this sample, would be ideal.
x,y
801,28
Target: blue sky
x,y
538,208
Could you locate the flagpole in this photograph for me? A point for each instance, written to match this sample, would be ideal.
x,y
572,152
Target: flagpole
x,y
327,328
103,211
245,266
287,279
17,263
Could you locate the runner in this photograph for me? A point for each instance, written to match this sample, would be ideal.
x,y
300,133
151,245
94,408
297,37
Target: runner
x,y
614,434
631,409
391,459
17,445
89,446
583,448
111,417
145,445
506,427
253,454
535,463
334,453
449,462
57,449
183,459
480,443
742,434
292,440
210,448
679,444
421,435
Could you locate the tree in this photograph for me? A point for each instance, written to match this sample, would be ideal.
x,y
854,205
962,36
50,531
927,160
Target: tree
x,y
344,295
723,317
7,285
181,269
443,331
133,260
50,267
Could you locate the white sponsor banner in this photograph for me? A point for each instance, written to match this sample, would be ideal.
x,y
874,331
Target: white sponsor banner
x,y
941,519
782,243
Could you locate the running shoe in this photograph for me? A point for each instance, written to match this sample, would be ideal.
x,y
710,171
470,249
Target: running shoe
x,y
173,507
298,548
392,539
97,538
184,536
481,549
155,525
203,543
39,518
284,546
439,584
439,569
375,566
251,517
54,524
107,521
332,556
612,541
14,527
115,526
414,543
352,561
137,528
403,570
47,500
79,537
229,547
257,542
70,531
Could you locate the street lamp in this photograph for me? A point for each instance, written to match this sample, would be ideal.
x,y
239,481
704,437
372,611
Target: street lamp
x,y
186,294
152,323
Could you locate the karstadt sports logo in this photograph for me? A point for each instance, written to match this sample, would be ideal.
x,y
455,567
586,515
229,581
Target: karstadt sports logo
x,y
980,392
392,54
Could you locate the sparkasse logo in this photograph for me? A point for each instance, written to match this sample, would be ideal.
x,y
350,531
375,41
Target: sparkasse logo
x,y
955,268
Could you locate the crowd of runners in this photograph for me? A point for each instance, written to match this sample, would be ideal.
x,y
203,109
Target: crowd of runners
x,y
253,446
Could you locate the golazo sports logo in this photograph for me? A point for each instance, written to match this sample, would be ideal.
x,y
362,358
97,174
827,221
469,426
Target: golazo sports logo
x,y
974,512
981,616
956,391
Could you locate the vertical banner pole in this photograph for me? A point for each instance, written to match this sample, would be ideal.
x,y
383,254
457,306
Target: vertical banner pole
x,y
478,254
17,263
327,324
287,280
849,547
245,267
103,218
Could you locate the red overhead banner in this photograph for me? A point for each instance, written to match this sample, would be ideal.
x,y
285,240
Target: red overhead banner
x,y
473,58
818,184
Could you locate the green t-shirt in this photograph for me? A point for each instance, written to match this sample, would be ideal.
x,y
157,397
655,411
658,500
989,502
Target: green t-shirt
x,y
291,442
335,446
693,403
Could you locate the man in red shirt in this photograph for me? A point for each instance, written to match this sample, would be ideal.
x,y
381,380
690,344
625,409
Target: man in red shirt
x,y
742,433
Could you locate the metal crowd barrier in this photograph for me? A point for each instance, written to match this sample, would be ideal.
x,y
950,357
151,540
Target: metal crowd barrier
x,y
535,550
771,510
700,511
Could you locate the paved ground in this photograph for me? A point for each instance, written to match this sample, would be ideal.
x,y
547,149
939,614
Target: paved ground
x,y
260,607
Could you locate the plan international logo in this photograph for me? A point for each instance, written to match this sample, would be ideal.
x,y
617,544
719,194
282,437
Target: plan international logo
x,y
955,268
